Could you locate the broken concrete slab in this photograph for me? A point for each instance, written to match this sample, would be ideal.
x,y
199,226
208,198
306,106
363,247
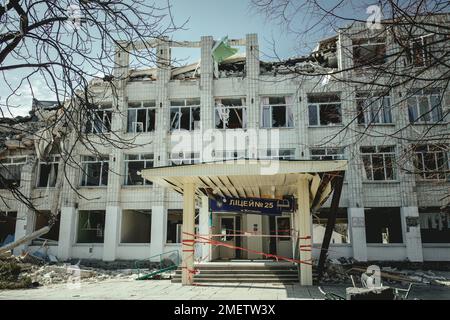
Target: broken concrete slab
x,y
382,293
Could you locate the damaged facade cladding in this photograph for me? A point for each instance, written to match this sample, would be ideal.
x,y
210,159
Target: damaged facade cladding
x,y
385,213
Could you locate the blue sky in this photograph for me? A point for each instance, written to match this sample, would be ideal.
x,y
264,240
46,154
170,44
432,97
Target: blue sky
x,y
232,18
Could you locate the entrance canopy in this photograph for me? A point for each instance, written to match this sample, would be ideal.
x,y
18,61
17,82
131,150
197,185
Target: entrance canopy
x,y
248,178
311,182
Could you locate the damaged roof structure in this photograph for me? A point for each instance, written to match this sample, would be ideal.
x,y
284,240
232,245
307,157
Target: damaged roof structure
x,y
231,63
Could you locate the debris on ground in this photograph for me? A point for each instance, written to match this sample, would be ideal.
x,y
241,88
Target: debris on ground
x,y
339,271
31,270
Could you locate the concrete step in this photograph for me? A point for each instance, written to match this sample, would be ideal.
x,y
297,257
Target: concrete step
x,y
243,272
235,280
274,271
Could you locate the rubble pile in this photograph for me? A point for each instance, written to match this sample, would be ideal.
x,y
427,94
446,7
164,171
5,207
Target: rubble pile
x,y
340,270
20,132
336,270
28,272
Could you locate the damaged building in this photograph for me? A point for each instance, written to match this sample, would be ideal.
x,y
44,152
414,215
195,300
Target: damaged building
x,y
116,214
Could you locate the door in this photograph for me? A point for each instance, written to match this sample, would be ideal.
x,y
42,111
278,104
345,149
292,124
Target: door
x,y
284,243
227,228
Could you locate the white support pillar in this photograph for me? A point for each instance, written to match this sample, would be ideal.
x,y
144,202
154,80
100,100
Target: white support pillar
x,y
304,227
26,218
159,227
66,232
411,233
112,232
357,226
187,266
204,229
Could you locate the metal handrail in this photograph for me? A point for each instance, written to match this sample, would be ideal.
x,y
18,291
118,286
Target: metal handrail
x,y
177,262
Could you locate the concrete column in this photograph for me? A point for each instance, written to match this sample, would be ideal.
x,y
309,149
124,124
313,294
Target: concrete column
x,y
204,229
161,147
411,233
206,84
356,224
67,232
252,77
187,276
68,218
304,226
26,218
113,212
159,229
300,122
112,232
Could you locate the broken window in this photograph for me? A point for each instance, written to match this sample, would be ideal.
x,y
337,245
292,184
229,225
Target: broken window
x,y
379,162
99,120
369,52
420,51
42,220
277,112
324,110
231,114
48,171
340,233
176,159
383,225
136,226
230,155
435,226
277,154
373,109
94,171
425,106
174,224
10,171
135,163
91,226
7,227
141,116
327,153
185,114
431,161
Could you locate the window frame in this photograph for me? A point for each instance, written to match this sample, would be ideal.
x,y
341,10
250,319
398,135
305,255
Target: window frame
x,y
419,94
376,108
274,154
289,109
54,161
369,42
140,159
187,158
84,171
243,107
151,107
317,106
423,173
105,109
12,162
426,48
339,155
384,154
191,114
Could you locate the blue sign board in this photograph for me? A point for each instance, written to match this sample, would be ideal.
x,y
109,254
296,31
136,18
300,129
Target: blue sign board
x,y
252,205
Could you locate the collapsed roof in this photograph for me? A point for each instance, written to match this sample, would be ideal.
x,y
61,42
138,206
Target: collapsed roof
x,y
38,129
321,60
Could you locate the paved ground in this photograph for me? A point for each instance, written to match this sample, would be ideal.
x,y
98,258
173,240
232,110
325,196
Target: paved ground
x,y
164,289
